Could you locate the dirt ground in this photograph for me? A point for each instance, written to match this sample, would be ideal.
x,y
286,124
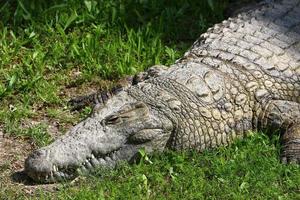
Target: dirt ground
x,y
13,152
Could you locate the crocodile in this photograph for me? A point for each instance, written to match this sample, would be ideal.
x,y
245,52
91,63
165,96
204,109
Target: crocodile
x,y
241,76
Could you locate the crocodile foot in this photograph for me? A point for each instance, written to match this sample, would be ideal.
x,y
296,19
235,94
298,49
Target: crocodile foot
x,y
291,145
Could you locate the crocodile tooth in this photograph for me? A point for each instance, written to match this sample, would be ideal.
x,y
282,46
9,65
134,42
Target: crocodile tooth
x,y
83,169
94,162
57,174
113,156
101,161
107,158
88,165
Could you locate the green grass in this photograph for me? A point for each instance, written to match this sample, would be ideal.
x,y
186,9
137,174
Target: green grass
x,y
248,169
49,47
53,50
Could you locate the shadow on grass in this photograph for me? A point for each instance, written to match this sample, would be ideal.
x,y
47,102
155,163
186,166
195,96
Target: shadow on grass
x,y
21,177
178,20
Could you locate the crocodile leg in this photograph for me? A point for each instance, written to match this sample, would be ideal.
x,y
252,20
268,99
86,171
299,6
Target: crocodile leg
x,y
291,145
285,116
100,97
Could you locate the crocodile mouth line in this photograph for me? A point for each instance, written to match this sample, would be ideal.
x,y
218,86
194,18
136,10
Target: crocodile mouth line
x,y
64,173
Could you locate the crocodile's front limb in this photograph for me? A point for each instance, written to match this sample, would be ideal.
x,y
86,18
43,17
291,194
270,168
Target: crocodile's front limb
x,y
291,145
285,116
100,97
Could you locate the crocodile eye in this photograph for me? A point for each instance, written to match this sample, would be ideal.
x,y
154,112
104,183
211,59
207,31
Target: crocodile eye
x,y
112,119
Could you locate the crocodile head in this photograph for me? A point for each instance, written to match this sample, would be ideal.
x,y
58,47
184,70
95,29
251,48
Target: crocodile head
x,y
115,132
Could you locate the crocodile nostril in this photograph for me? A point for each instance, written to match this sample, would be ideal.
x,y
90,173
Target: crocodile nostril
x,y
38,154
37,163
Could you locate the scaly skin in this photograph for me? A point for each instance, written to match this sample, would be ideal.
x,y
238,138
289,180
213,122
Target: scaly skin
x,y
242,75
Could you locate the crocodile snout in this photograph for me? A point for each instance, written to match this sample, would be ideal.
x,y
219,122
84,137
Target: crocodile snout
x,y
37,165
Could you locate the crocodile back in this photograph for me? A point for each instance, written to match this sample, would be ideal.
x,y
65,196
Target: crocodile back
x,y
219,90
260,49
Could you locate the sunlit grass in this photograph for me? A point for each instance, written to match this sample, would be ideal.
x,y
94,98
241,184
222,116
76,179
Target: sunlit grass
x,y
50,50
46,47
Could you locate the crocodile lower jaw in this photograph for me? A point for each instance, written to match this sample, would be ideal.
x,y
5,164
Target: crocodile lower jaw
x,y
64,173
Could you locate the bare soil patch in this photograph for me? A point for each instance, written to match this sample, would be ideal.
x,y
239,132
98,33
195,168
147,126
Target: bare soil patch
x,y
13,152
